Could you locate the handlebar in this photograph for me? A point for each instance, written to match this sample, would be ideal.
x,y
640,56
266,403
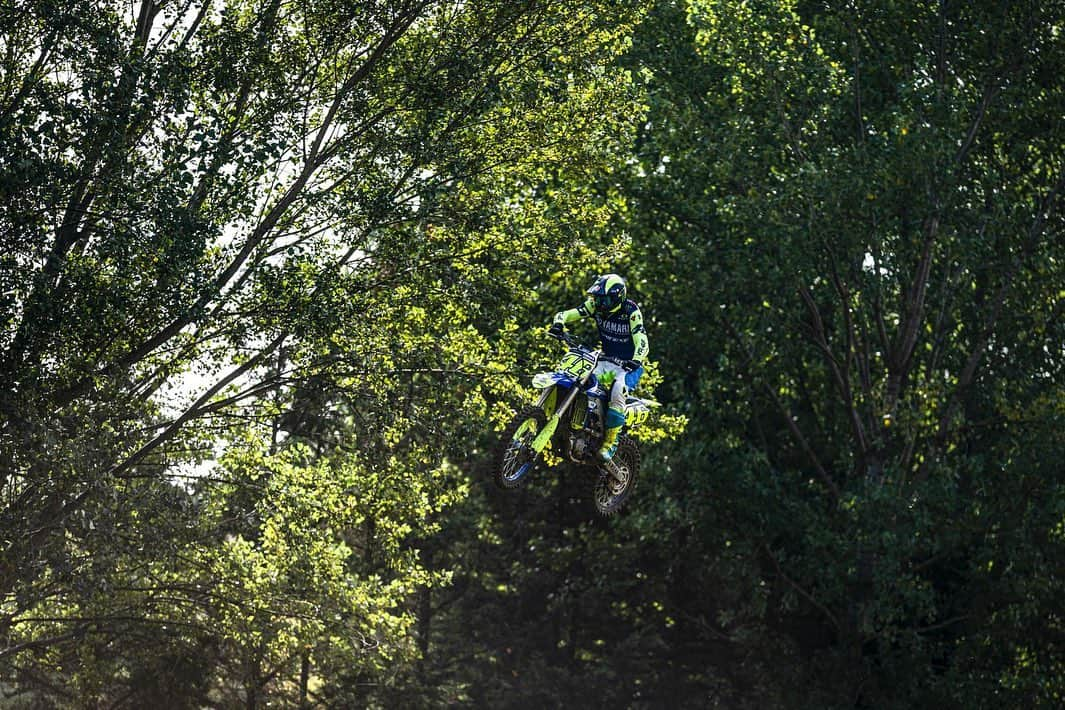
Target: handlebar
x,y
568,340
574,343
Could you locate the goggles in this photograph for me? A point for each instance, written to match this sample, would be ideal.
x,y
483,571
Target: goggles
x,y
607,301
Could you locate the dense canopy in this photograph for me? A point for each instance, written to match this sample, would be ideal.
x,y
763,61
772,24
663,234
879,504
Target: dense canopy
x,y
275,274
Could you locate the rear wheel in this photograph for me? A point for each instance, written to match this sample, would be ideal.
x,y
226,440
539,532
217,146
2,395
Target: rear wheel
x,y
613,488
515,457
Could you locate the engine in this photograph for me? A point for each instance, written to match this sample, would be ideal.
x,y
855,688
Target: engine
x,y
581,449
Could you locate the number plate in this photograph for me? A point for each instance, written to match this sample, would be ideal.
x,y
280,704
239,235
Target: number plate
x,y
575,364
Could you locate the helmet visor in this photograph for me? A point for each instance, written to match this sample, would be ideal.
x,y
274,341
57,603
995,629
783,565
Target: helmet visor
x,y
606,302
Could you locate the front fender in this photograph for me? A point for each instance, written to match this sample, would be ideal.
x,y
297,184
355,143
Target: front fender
x,y
549,379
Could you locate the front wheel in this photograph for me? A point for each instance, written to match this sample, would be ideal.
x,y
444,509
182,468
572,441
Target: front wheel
x,y
612,488
516,457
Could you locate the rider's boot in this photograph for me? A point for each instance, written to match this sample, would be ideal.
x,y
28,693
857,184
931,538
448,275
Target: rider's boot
x,y
614,421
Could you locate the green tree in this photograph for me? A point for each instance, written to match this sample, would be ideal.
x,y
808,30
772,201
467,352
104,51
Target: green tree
x,y
238,223
849,217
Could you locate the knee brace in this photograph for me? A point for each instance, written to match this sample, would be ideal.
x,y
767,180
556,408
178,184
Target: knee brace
x,y
617,395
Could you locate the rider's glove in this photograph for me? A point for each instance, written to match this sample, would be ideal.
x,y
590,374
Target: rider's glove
x,y
556,329
631,365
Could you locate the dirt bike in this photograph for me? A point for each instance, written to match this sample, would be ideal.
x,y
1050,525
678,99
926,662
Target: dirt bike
x,y
573,394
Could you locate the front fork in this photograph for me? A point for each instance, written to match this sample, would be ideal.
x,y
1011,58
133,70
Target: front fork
x,y
548,399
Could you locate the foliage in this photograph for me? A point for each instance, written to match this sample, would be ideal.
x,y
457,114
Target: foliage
x,y
274,275
828,197
278,228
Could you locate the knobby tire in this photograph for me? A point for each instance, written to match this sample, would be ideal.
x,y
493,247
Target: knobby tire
x,y
515,459
608,495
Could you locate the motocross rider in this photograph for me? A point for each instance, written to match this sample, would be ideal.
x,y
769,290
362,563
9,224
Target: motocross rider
x,y
623,337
